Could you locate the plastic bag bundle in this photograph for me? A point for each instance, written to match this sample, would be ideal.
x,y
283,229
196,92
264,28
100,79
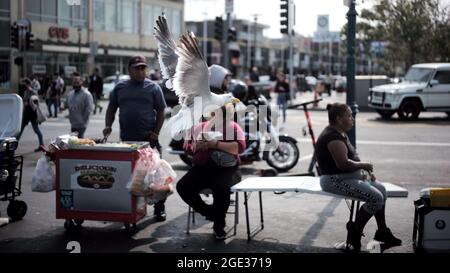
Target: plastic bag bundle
x,y
158,182
147,160
152,177
44,178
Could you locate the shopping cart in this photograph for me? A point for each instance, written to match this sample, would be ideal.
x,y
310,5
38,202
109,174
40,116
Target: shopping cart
x,y
11,166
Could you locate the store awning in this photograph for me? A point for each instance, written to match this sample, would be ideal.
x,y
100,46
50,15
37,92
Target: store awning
x,y
100,51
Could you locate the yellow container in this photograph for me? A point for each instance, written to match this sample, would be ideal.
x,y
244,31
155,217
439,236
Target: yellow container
x,y
440,198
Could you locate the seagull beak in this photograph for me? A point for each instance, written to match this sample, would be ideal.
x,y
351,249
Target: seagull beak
x,y
235,100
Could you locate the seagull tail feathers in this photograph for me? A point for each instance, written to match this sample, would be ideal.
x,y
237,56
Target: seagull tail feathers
x,y
182,121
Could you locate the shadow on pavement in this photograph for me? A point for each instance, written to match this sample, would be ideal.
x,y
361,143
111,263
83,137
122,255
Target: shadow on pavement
x,y
111,238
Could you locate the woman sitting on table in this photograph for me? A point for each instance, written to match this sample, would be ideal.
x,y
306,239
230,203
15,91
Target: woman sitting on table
x,y
341,173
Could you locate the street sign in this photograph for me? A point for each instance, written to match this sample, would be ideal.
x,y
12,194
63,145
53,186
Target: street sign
x,y
229,6
38,69
68,70
93,47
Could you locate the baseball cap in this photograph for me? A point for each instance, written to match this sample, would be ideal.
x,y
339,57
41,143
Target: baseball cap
x,y
137,60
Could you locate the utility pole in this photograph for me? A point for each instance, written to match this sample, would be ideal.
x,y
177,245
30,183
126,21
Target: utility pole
x,y
255,40
249,55
79,49
226,54
290,34
229,7
205,37
287,15
351,17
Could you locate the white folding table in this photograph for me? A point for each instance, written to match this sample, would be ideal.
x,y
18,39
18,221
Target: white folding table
x,y
306,184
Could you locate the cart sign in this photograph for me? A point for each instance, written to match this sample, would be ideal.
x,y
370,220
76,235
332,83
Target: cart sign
x,y
66,199
229,6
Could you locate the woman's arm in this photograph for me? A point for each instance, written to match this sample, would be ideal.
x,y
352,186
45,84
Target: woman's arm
x,y
229,147
339,152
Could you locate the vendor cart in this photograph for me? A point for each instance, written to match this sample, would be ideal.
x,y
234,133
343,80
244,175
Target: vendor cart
x,y
91,185
11,108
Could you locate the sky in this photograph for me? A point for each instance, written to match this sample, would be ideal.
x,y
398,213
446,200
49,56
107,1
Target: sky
x,y
269,13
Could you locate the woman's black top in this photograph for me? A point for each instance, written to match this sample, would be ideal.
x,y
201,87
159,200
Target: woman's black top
x,y
325,160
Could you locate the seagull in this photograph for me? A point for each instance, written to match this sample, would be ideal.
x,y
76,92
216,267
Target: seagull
x,y
186,71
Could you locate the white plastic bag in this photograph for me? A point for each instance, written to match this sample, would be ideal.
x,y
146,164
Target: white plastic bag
x,y
147,160
158,182
44,178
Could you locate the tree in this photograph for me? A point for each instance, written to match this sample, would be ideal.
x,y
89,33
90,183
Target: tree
x,y
414,31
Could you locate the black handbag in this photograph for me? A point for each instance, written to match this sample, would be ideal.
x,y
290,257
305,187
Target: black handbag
x,y
223,159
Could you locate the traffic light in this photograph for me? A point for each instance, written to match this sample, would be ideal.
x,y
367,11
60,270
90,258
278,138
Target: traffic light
x,y
218,29
29,41
14,36
232,35
284,6
18,61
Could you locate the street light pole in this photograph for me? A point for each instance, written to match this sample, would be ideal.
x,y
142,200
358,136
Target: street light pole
x,y
205,37
79,48
351,17
255,33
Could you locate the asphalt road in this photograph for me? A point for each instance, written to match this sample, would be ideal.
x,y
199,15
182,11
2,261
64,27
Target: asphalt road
x,y
414,155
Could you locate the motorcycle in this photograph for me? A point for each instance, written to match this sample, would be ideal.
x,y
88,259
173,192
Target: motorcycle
x,y
282,155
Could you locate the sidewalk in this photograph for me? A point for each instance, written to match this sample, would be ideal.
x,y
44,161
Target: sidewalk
x,y
301,97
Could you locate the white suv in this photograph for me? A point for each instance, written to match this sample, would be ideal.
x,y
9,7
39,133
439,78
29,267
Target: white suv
x,y
426,87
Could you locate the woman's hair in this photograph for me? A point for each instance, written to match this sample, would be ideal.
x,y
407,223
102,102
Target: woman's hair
x,y
26,81
335,110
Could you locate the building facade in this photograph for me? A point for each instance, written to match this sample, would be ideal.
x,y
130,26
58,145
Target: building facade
x,y
251,48
78,35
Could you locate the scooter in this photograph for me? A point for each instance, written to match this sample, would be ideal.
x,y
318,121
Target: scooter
x,y
282,157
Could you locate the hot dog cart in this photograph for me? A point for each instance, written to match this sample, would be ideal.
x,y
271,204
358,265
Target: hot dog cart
x,y
91,184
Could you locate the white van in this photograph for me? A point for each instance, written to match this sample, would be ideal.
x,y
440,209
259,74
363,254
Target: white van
x,y
425,87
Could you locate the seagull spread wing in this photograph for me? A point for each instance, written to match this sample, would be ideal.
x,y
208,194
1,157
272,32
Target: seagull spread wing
x,y
192,76
167,56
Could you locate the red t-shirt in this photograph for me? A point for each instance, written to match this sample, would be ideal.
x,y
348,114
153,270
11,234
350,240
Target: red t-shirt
x,y
201,158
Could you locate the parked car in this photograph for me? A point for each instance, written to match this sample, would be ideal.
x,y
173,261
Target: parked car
x,y
111,81
424,87
340,84
311,81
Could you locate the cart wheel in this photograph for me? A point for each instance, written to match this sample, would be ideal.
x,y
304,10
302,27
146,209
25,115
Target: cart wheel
x,y
16,209
69,225
78,222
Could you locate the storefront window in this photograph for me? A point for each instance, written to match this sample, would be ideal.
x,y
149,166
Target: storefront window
x,y
33,9
59,12
5,29
4,9
110,15
176,23
148,19
79,15
5,72
49,11
99,14
129,16
65,14
157,11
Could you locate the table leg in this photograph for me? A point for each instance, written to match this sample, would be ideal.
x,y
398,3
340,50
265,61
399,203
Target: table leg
x,y
261,210
246,216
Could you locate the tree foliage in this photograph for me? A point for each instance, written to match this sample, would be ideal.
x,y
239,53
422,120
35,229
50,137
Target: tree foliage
x,y
415,31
